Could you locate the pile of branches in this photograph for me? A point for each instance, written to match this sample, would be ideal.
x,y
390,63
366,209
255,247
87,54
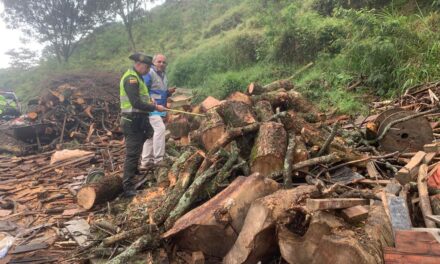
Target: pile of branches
x,y
79,106
272,135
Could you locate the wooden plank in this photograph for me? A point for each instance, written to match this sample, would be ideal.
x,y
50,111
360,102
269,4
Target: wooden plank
x,y
417,242
434,218
429,157
29,247
393,256
334,203
372,171
434,147
355,214
80,231
398,212
405,174
425,204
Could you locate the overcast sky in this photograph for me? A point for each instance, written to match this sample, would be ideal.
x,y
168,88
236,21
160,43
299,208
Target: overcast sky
x,y
11,39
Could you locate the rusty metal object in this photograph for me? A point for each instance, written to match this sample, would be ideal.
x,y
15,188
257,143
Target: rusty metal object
x,y
409,135
385,114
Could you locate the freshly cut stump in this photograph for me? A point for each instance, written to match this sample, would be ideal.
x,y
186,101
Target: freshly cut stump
x,y
105,189
269,150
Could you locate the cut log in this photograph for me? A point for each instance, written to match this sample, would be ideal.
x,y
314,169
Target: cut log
x,y
328,240
240,97
295,122
236,113
211,130
269,150
286,100
178,127
106,189
208,103
408,173
212,227
257,237
257,89
314,137
173,196
192,193
345,247
263,110
300,153
295,248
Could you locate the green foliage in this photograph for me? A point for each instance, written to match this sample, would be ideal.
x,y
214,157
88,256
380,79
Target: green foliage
x,y
220,46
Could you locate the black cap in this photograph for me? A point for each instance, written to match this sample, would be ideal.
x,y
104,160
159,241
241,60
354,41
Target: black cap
x,y
140,57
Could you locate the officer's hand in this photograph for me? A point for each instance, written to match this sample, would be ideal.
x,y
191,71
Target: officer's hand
x,y
172,90
160,108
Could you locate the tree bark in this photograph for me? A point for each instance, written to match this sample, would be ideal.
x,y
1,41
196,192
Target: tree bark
x,y
213,227
264,111
236,113
105,189
174,195
257,237
269,149
257,89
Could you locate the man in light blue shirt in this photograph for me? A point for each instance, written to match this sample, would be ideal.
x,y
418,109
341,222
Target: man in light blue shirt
x,y
156,80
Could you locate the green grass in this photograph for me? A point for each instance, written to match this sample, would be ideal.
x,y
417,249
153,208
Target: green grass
x,y
220,46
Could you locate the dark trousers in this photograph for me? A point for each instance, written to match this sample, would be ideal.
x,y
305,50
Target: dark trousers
x,y
136,129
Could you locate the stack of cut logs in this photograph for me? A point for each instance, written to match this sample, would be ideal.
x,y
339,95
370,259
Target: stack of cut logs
x,y
261,177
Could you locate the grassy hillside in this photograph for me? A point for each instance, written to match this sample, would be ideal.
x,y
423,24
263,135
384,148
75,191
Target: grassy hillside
x,y
217,46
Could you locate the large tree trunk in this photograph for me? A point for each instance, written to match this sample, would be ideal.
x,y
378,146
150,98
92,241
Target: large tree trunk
x,y
236,113
213,227
269,149
328,240
211,130
105,189
179,127
264,110
257,237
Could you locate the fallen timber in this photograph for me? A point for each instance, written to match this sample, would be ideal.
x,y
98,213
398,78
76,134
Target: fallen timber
x,y
259,184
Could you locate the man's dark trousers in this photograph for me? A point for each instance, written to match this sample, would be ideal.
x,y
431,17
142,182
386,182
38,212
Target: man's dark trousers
x,y
136,128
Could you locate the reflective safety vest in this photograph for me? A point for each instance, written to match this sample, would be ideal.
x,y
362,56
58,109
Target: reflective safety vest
x,y
126,106
3,104
158,89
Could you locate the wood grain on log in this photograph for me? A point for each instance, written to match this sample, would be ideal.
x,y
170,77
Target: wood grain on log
x,y
214,226
269,150
105,189
257,237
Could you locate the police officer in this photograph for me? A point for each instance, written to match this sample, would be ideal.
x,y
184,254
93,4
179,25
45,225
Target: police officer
x,y
135,107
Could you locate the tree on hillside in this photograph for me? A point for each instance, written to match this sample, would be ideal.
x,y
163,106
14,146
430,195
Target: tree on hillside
x,y
22,58
61,23
129,11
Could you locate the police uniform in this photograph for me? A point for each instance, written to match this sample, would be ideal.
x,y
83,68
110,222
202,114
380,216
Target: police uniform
x,y
135,125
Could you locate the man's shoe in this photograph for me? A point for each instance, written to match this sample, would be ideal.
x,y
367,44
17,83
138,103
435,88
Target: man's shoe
x,y
147,166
